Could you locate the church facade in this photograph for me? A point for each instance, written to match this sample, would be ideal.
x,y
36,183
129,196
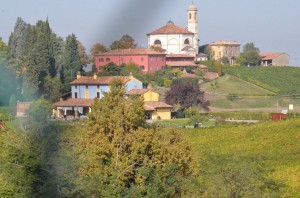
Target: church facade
x,y
177,40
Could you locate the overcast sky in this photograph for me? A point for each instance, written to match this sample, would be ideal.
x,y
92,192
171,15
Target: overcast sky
x,y
272,25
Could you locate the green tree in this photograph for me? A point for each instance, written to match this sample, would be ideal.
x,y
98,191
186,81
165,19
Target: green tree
x,y
126,42
250,55
250,47
71,60
119,157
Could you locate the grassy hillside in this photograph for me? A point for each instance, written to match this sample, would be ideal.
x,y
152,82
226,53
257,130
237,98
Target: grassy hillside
x,y
231,84
282,80
249,160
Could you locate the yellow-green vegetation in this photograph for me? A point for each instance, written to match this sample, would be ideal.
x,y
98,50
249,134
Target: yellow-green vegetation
x,y
249,161
283,80
230,84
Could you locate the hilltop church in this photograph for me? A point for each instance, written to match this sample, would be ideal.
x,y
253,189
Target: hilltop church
x,y
177,40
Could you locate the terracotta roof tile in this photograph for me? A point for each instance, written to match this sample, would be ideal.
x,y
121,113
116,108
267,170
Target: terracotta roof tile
x,y
100,80
137,91
156,105
180,63
187,75
270,55
179,56
137,51
170,28
222,42
74,102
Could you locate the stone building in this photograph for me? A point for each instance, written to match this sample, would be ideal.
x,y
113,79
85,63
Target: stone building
x,y
221,49
275,59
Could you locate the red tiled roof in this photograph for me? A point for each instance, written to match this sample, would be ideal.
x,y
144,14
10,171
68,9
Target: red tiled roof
x,y
211,75
137,91
202,67
74,102
179,56
202,55
23,106
151,106
180,63
137,51
187,75
170,28
270,55
100,80
222,42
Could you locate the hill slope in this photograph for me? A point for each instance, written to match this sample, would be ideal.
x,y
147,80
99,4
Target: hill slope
x,y
282,80
263,157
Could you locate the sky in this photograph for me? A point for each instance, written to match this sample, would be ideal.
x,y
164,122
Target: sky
x,y
272,25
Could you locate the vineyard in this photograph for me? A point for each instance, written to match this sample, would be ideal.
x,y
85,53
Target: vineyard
x,y
261,159
281,80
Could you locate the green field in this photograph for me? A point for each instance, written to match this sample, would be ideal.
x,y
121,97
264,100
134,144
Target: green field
x,y
230,84
282,80
263,157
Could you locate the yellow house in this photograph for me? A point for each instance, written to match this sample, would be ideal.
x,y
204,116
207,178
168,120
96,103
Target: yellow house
x,y
154,108
221,49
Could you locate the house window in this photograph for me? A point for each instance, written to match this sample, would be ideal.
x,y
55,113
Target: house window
x,y
98,94
75,95
75,86
142,67
190,16
122,60
86,86
130,60
186,41
101,60
98,86
163,58
107,59
142,59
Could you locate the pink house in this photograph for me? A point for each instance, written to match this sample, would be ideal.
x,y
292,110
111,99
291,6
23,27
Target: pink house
x,y
148,60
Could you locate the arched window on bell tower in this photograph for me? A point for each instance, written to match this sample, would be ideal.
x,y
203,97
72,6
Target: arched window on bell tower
x,y
157,42
186,41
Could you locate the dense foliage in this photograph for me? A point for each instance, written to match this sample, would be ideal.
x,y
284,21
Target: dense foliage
x,y
44,62
186,93
282,80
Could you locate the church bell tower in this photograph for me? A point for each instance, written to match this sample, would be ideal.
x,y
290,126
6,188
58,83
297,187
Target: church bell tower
x,y
193,25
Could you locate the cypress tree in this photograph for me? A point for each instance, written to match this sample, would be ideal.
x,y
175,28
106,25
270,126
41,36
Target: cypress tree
x,y
71,60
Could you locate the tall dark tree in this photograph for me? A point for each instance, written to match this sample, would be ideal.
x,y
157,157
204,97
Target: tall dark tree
x,y
186,94
71,60
126,42
40,60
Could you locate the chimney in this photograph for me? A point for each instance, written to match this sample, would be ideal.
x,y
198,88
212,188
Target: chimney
x,y
95,75
78,75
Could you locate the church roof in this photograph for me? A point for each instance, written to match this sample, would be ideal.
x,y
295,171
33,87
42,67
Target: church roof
x,y
170,28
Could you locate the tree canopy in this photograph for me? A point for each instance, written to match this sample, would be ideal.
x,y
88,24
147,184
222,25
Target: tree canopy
x,y
126,42
118,156
250,55
186,94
